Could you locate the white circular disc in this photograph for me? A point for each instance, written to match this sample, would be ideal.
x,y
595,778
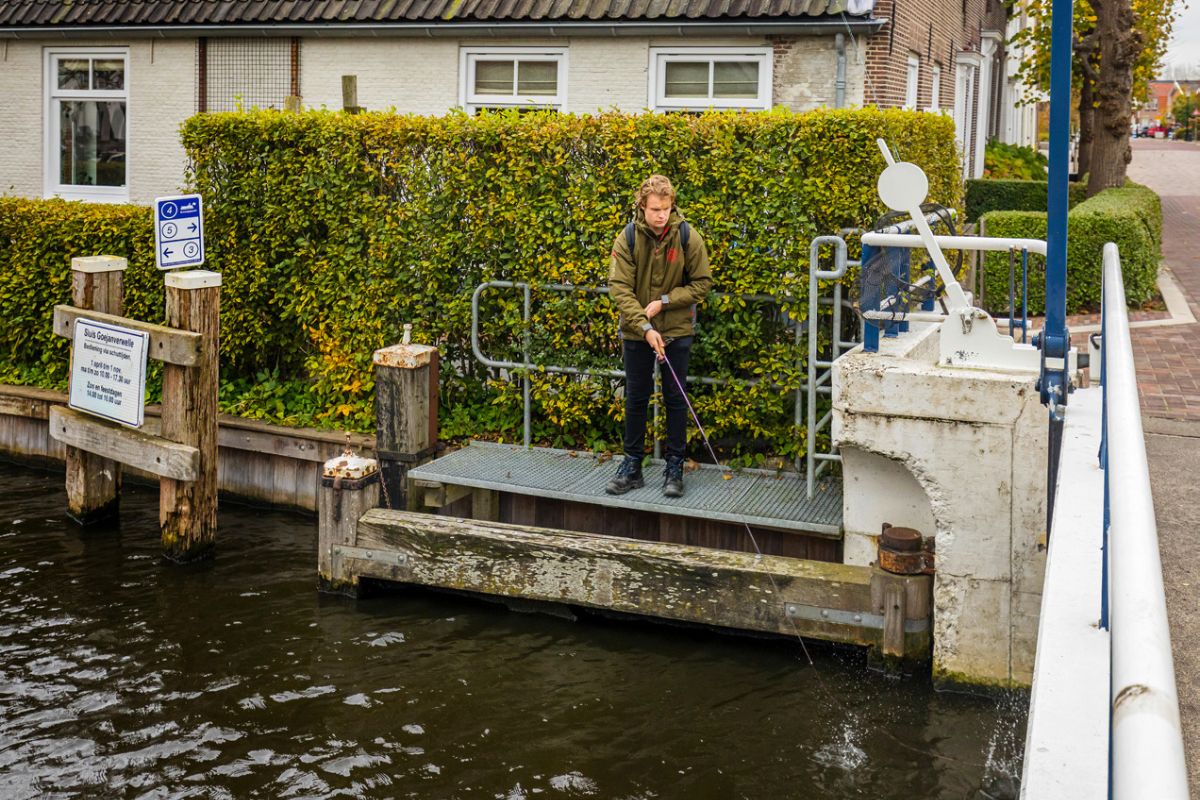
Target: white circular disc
x,y
903,186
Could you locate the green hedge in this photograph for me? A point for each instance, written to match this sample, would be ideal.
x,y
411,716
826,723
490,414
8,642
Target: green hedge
x,y
1130,216
332,231
984,195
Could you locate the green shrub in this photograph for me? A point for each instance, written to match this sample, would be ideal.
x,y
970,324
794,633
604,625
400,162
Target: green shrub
x,y
1130,216
331,231
1001,160
985,194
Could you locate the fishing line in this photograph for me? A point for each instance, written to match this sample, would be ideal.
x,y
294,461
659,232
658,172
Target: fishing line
x,y
779,594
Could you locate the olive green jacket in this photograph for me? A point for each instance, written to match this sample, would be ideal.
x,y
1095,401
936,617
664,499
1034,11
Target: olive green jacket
x,y
656,272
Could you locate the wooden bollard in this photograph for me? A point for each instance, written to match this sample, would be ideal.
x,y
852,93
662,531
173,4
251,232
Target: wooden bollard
x,y
349,488
93,482
187,512
406,407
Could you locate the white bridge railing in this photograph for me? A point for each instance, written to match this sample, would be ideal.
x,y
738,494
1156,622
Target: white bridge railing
x,y
1103,713
1147,741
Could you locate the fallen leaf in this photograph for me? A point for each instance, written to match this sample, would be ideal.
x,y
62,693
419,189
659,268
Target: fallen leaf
x,y
690,465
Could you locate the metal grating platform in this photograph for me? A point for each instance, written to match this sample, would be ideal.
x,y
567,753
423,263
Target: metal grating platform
x,y
756,497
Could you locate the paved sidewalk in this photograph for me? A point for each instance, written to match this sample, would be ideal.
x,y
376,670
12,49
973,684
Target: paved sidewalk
x,y
1168,358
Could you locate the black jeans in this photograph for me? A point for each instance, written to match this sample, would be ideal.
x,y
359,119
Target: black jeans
x,y
639,383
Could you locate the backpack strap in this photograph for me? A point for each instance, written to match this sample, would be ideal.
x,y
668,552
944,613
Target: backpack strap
x,y
631,240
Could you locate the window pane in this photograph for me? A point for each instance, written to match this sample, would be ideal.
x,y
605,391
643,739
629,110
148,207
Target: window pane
x,y
735,79
108,73
687,79
92,149
537,77
73,73
494,77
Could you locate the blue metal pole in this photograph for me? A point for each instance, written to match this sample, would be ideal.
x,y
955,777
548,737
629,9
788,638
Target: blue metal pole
x,y
870,328
1054,339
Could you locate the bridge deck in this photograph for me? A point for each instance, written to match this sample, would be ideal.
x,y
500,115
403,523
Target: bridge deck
x,y
759,498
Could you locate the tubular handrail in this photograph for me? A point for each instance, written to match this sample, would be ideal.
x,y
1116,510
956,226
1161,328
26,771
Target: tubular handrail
x,y
989,243
1147,741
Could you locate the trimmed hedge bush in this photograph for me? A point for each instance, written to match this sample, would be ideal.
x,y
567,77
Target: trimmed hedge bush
x,y
1130,216
332,231
984,195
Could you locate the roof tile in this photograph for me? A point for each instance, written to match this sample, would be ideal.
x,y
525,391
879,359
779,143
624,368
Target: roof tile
x,y
83,13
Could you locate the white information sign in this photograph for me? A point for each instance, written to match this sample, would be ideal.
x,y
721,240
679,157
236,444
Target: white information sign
x,y
108,372
178,231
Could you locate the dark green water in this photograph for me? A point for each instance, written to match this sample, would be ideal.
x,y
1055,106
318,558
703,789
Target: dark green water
x,y
125,676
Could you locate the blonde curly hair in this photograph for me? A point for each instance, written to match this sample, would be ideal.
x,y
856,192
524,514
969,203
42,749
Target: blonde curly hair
x,y
655,184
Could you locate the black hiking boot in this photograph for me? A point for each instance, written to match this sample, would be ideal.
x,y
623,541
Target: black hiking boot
x,y
629,476
673,478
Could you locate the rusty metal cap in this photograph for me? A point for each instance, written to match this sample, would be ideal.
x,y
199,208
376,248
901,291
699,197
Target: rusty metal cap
x,y
900,540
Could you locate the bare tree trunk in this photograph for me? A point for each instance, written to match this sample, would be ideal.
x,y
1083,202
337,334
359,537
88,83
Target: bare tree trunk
x,y
1120,42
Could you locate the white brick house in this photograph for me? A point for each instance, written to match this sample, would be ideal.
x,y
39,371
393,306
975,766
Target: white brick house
x,y
94,91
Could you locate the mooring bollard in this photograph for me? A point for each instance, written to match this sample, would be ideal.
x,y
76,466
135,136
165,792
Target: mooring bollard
x,y
94,482
187,510
406,408
349,488
902,593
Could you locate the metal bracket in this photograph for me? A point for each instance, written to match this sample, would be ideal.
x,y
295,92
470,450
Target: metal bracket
x,y
378,556
856,618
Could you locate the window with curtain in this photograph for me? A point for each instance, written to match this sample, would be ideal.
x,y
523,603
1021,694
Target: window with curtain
x,y
87,131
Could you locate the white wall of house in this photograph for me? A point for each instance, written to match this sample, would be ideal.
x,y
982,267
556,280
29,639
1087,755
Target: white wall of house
x,y
161,94
411,75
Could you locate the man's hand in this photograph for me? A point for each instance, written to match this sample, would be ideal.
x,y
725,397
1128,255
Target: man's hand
x,y
655,340
653,309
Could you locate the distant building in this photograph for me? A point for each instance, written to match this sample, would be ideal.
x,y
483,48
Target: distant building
x,y
94,91
1157,109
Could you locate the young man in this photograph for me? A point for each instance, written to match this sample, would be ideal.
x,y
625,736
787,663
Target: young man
x,y
656,287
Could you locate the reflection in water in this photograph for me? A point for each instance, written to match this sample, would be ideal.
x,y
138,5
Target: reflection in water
x,y
123,675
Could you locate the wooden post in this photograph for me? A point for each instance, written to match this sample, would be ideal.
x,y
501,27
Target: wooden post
x,y
93,482
405,414
187,512
350,94
906,604
349,488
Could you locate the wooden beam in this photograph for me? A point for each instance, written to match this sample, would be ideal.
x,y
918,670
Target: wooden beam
x,y
438,494
171,345
669,581
127,445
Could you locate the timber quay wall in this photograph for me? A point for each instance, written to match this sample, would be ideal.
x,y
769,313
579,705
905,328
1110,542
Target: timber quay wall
x,y
257,462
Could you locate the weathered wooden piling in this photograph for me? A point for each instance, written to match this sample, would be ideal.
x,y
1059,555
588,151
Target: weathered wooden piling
x,y
406,405
349,488
188,509
94,482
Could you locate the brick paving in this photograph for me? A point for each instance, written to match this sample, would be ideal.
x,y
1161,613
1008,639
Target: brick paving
x,y
1168,358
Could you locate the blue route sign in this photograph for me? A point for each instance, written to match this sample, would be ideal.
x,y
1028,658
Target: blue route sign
x,y
178,231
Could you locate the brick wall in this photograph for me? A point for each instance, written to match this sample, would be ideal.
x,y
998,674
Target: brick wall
x,y
161,95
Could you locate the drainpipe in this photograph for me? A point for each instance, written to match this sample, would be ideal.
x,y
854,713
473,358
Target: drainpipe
x,y
839,86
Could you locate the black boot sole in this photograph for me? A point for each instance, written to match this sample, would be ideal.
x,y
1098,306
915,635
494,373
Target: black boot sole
x,y
634,484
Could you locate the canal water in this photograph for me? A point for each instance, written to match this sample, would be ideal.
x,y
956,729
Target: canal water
x,y
125,676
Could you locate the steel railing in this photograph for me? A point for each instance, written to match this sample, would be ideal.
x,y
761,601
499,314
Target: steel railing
x,y
818,371
1146,738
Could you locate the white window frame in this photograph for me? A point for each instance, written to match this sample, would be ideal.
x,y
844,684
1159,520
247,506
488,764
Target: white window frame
x,y
935,89
912,83
661,56
52,122
471,102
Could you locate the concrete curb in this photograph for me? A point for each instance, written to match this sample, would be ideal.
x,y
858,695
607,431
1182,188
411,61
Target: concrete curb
x,y
1161,426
